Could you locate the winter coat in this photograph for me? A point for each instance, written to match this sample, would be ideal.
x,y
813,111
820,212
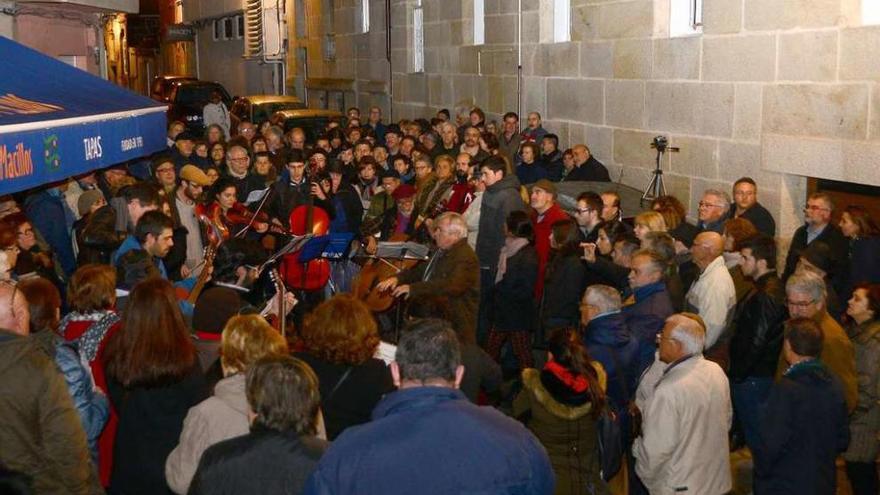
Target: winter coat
x,y
757,335
46,212
609,342
864,423
530,173
217,418
686,414
565,285
543,225
498,201
645,319
838,355
567,431
262,462
830,235
150,422
455,280
354,397
863,264
91,404
510,147
803,428
428,427
96,236
514,308
42,435
592,171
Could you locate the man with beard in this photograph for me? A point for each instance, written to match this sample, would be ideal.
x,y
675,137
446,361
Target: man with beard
x,y
462,189
551,157
186,196
471,145
398,219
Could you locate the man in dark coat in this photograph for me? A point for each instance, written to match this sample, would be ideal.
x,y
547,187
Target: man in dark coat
x,y
281,451
48,213
745,198
451,272
586,167
458,446
42,436
757,335
502,196
238,169
647,315
804,424
818,227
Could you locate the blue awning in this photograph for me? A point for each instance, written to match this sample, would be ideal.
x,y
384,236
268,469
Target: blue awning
x,y
57,121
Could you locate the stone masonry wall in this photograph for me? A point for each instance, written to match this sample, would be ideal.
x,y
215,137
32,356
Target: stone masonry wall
x,y
776,89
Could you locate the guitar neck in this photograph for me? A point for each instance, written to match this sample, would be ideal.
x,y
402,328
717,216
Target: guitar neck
x,y
201,280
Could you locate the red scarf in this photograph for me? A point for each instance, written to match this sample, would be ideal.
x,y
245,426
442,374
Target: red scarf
x,y
578,383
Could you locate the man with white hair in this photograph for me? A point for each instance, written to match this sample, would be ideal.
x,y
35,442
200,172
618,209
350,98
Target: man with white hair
x,y
451,275
806,296
712,295
42,436
713,211
686,411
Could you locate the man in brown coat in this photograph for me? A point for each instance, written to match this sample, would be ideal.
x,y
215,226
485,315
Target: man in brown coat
x,y
42,436
452,273
805,292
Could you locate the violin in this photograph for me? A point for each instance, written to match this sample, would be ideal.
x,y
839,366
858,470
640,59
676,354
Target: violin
x,y
234,219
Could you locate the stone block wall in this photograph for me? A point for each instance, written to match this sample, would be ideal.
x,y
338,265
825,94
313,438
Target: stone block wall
x,y
779,90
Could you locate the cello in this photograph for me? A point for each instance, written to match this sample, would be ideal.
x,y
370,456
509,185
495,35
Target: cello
x,y
314,274
376,270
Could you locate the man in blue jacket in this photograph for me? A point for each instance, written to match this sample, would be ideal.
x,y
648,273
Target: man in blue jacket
x,y
427,438
652,304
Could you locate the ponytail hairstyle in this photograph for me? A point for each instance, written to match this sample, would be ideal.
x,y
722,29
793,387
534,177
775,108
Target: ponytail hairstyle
x,y
569,352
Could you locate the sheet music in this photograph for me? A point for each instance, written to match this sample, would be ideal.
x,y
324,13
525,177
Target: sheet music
x,y
255,196
405,250
385,352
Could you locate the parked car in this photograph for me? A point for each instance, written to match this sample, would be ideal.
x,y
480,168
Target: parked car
x,y
160,89
312,121
188,98
258,108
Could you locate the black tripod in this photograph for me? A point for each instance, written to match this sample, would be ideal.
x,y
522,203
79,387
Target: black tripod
x,y
656,187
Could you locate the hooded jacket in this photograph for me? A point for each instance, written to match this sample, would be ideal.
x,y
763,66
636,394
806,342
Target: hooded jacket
x,y
499,200
41,436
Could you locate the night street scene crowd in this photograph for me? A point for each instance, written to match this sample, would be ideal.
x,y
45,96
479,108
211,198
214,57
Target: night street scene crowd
x,y
163,331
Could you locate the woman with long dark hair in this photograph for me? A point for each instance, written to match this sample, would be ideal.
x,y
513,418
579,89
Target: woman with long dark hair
x,y
863,316
566,276
154,378
560,404
863,264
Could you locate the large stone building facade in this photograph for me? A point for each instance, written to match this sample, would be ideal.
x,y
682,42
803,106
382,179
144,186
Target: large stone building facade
x,y
780,90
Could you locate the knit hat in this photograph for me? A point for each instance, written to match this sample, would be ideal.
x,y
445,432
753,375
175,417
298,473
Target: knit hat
x,y
88,199
403,191
546,186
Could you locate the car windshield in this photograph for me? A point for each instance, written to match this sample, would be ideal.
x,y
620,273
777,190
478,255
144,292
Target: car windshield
x,y
194,94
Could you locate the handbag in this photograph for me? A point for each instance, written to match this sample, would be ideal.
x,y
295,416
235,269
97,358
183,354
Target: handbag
x,y
610,439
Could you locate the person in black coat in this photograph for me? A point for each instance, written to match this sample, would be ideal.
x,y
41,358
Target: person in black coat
x,y
863,264
565,280
281,451
514,315
340,338
757,335
745,199
586,167
804,426
818,227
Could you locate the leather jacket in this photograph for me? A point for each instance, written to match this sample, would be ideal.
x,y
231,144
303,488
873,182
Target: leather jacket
x,y
758,332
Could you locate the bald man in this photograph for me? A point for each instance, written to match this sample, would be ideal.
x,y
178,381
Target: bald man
x,y
586,167
42,436
712,295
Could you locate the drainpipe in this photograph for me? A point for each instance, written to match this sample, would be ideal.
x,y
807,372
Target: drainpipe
x,y
519,67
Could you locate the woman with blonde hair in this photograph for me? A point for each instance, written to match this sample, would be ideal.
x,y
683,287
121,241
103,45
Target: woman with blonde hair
x,y
245,340
648,221
340,338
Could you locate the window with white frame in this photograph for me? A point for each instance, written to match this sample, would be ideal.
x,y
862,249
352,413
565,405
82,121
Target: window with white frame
x,y
418,38
365,16
561,21
238,24
870,12
479,22
685,17
219,35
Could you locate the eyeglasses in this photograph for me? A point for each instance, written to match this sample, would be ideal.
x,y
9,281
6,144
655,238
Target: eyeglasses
x,y
703,204
816,208
800,304
238,160
583,210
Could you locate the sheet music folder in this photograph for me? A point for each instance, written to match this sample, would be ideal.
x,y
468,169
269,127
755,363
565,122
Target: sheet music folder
x,y
402,250
332,246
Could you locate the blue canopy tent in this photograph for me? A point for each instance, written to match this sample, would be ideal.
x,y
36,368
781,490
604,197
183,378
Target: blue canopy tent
x,y
57,121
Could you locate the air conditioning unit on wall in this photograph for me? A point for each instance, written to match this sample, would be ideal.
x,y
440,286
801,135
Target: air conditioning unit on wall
x,y
264,29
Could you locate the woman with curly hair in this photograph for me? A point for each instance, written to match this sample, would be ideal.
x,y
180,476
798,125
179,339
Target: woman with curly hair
x,y
675,217
340,338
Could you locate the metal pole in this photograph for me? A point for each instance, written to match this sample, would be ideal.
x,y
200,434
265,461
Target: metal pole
x,y
388,57
519,59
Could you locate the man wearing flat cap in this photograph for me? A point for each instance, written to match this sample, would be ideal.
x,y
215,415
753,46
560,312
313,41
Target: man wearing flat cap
x,y
185,198
398,219
546,212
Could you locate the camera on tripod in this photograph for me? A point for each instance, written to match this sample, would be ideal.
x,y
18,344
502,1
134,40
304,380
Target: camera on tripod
x,y
660,143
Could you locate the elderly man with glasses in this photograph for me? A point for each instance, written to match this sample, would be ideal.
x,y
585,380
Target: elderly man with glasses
x,y
713,210
805,294
817,227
